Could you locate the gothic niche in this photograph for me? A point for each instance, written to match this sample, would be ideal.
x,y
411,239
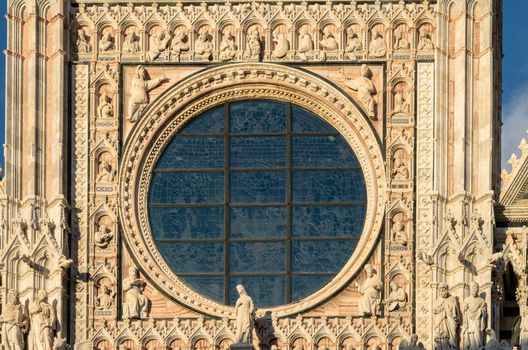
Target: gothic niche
x,y
400,37
104,232
377,43
400,103
299,343
329,41
105,102
104,344
224,344
354,44
399,231
180,44
131,40
350,343
425,37
177,344
254,43
106,169
305,43
325,344
104,296
152,344
202,344
397,293
159,40
107,40
374,343
83,41
281,45
203,44
400,169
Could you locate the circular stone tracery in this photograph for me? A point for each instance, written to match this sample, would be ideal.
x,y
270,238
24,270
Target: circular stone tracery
x,y
260,193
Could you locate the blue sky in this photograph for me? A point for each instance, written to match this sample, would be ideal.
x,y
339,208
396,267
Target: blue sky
x,y
515,76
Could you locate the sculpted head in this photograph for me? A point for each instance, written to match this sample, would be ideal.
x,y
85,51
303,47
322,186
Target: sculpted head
x,y
133,272
140,72
42,296
444,290
365,71
474,289
13,298
241,290
369,270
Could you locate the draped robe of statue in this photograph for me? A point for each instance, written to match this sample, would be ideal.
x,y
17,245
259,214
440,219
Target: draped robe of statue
x,y
447,318
15,323
136,304
244,316
475,314
43,323
370,290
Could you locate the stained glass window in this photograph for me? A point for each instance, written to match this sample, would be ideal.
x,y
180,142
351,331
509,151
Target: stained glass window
x,y
261,193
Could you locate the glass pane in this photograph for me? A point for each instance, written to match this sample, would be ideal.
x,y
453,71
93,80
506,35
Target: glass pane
x,y
321,256
256,222
187,223
193,257
258,116
328,151
265,291
258,152
328,186
304,121
257,257
193,152
210,122
258,187
302,286
187,188
329,221
212,287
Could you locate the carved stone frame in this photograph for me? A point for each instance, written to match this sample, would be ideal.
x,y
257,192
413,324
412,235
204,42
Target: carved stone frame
x,y
234,82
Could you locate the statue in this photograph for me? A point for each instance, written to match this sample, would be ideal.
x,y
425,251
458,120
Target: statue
x,y
398,231
397,297
105,173
329,43
105,109
107,42
244,316
131,43
203,45
105,300
136,304
103,236
365,90
83,44
447,319
14,321
161,43
180,44
424,41
400,43
43,323
281,45
378,47
253,47
400,171
139,92
400,103
227,47
305,44
369,301
475,315
353,42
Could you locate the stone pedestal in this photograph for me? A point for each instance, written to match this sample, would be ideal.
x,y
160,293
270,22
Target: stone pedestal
x,y
242,346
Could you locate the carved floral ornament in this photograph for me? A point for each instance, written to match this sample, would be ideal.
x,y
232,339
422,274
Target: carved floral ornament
x,y
168,114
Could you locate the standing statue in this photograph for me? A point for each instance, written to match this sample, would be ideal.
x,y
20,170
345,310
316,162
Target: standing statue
x,y
475,314
136,304
281,45
447,319
378,47
227,47
365,90
139,92
244,316
43,323
369,302
14,321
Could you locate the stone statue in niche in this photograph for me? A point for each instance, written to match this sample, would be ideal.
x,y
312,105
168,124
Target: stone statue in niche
x,y
353,42
329,43
14,321
281,45
400,103
400,171
180,43
107,42
397,297
131,42
378,47
83,42
305,43
227,47
365,89
103,236
244,316
447,320
106,108
43,323
425,42
105,173
369,302
400,42
139,90
160,44
398,231
253,44
203,45
475,316
136,304
105,300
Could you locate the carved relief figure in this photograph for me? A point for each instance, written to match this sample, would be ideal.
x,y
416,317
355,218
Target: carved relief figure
x,y
136,304
105,173
398,230
329,43
14,321
105,300
400,171
203,45
365,89
397,297
103,236
160,43
305,43
180,43
400,42
425,42
281,44
447,320
105,109
378,47
369,301
43,323
253,44
475,316
139,92
244,316
131,42
106,43
227,46
83,42
400,103
353,42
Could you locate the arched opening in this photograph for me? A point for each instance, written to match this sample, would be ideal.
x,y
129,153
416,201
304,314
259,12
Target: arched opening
x,y
510,309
